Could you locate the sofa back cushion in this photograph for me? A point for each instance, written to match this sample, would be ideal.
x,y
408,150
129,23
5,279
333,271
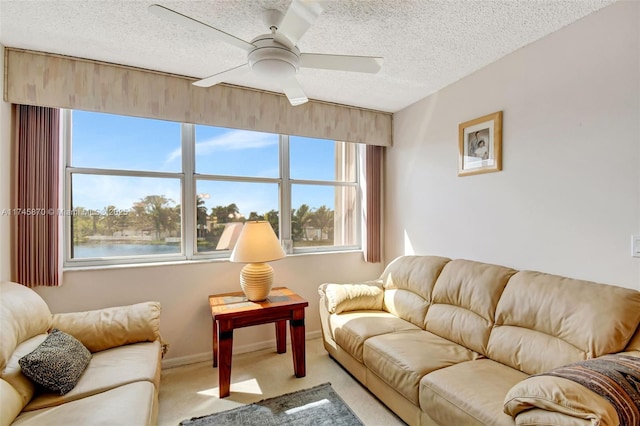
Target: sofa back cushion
x,y
408,282
464,302
544,321
106,328
23,314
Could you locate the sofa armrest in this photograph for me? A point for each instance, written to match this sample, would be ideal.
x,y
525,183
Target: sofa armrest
x,y
352,297
110,327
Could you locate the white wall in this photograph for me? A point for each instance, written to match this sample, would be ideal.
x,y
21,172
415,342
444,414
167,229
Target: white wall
x,y
5,178
568,198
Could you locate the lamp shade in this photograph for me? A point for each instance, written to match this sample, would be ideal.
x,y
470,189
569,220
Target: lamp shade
x,y
257,243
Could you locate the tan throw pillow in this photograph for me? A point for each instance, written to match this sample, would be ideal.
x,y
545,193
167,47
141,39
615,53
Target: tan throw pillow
x,y
57,363
352,297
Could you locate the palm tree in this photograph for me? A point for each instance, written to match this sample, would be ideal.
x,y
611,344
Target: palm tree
x,y
300,219
201,217
224,214
323,219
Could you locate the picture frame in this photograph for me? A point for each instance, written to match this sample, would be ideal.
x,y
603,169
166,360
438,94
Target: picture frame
x,y
480,145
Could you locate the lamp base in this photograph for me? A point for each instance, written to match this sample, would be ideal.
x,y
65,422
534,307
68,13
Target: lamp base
x,y
256,280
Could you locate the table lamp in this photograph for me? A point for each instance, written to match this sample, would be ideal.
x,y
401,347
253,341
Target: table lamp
x,y
256,245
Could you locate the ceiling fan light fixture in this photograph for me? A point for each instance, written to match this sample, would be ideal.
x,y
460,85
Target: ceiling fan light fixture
x,y
273,68
271,60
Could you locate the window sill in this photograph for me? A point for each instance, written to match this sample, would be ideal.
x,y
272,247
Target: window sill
x,y
76,268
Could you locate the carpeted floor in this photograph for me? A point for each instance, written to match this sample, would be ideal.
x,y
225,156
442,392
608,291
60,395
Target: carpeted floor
x,y
192,390
317,406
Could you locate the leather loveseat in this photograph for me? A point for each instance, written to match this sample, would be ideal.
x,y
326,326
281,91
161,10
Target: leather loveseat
x,y
119,383
457,342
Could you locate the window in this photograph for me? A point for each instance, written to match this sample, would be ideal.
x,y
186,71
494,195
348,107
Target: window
x,y
141,190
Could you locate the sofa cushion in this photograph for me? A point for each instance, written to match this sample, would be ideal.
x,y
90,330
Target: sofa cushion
x,y
132,404
23,314
112,327
408,283
464,302
469,393
351,329
352,297
401,359
110,369
559,395
57,363
544,321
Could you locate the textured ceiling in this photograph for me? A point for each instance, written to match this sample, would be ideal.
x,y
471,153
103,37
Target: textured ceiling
x,y
426,44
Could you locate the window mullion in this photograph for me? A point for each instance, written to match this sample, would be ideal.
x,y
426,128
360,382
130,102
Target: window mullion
x,y
285,196
66,195
188,190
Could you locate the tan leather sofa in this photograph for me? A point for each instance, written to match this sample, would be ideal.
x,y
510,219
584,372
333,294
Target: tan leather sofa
x,y
119,386
451,342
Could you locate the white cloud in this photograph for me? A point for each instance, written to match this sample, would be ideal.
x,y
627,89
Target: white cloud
x,y
231,140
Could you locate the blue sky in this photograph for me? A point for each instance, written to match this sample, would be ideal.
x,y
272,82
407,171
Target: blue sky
x,y
129,143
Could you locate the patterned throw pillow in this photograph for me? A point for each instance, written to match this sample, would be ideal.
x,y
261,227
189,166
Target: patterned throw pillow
x,y
57,363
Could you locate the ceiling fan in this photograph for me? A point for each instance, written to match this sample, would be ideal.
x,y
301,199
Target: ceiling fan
x,y
275,55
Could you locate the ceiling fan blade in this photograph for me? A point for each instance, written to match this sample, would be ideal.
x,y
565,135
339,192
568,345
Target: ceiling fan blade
x,y
300,16
291,87
369,64
192,24
222,76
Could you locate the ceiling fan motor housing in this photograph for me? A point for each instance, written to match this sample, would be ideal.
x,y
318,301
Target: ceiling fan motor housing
x,y
272,59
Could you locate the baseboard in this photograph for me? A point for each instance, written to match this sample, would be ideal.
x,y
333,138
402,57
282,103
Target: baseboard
x,y
208,357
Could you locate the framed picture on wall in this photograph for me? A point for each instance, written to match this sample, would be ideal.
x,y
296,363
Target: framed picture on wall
x,y
480,145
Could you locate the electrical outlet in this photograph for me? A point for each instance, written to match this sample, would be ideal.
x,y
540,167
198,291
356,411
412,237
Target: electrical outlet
x,y
635,245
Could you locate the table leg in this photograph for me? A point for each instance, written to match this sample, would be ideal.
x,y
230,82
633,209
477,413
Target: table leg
x,y
281,336
296,325
214,344
225,345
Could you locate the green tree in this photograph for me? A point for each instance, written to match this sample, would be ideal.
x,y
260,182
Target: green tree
x,y
323,219
274,220
109,220
300,219
160,213
201,217
255,216
224,214
82,224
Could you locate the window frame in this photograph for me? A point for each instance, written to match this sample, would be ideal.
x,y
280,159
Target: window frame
x,y
188,178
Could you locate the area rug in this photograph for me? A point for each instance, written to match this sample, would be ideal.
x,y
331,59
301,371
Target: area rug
x,y
317,406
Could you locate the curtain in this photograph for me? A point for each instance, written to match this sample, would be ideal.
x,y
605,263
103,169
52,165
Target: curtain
x,y
373,206
35,196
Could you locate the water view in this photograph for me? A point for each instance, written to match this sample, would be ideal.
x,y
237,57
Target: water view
x,y
88,250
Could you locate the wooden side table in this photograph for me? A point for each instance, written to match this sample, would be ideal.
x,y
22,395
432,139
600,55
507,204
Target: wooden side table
x,y
232,310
